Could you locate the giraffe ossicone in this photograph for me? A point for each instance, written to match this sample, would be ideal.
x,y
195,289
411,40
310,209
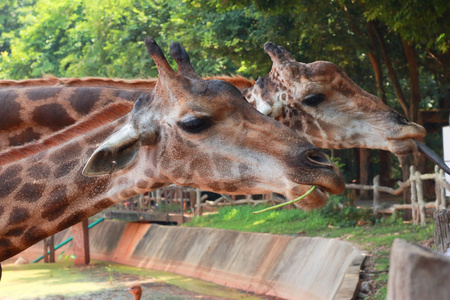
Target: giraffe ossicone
x,y
187,131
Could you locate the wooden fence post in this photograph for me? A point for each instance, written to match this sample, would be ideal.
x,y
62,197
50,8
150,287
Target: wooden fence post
x,y
442,230
420,200
442,191
199,202
376,193
412,179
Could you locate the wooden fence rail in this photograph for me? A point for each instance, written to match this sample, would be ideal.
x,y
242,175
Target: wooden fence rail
x,y
414,183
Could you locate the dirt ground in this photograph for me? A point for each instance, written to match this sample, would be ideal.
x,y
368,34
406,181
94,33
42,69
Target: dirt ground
x,y
105,281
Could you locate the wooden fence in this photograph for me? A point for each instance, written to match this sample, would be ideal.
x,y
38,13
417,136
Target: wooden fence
x,y
414,183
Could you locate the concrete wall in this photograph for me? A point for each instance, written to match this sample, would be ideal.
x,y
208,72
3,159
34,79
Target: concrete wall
x,y
283,266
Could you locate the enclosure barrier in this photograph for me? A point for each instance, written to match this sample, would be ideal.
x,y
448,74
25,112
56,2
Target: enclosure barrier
x,y
418,205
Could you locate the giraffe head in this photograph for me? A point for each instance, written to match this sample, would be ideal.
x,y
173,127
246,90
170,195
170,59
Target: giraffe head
x,y
202,133
321,103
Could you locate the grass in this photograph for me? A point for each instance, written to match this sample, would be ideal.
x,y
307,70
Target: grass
x,y
336,220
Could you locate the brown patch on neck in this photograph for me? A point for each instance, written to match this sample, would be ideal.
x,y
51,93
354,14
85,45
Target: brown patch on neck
x,y
108,114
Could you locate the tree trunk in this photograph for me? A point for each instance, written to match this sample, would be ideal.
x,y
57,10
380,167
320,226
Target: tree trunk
x,y
391,71
414,85
385,162
364,166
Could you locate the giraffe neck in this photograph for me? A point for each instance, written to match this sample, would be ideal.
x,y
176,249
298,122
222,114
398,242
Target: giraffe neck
x,y
45,193
32,113
96,119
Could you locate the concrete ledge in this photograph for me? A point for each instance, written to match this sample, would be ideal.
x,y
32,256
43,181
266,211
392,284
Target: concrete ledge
x,y
284,266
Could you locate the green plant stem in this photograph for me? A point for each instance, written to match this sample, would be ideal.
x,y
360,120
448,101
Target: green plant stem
x,y
286,203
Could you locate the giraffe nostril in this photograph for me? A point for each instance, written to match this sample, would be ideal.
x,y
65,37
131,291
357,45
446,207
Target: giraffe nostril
x,y
318,157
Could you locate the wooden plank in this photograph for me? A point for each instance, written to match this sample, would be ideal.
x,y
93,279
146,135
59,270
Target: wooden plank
x,y
417,273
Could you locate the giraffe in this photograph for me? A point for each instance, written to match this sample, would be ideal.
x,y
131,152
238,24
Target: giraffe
x,y
186,131
321,103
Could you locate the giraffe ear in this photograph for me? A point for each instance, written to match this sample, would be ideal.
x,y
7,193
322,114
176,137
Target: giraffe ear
x,y
119,151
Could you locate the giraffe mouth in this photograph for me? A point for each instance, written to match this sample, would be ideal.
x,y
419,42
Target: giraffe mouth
x,y
409,146
318,198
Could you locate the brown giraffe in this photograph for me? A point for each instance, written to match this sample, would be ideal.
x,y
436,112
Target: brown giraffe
x,y
321,103
187,131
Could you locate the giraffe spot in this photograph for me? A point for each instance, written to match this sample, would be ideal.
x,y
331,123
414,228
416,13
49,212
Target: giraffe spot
x,y
10,112
2,210
18,215
9,180
39,171
53,116
91,187
26,136
104,203
66,168
5,243
127,194
179,172
214,186
36,94
142,184
84,99
128,95
57,203
34,235
69,152
230,187
72,220
30,192
157,185
18,231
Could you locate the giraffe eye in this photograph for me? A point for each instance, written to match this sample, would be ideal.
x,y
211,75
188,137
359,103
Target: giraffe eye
x,y
195,125
313,100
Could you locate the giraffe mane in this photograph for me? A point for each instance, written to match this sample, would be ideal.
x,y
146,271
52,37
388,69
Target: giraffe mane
x,y
45,81
110,113
49,80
